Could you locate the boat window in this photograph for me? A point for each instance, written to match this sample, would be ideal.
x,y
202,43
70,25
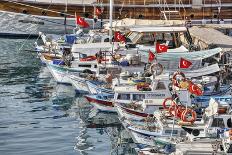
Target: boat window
x,y
102,71
123,97
138,97
182,133
218,122
82,55
160,86
229,123
96,39
87,66
147,38
174,132
95,66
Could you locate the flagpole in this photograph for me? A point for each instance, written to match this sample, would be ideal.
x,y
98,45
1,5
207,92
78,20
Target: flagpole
x,y
111,20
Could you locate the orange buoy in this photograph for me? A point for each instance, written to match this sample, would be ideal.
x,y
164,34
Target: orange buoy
x,y
189,115
173,110
180,110
168,99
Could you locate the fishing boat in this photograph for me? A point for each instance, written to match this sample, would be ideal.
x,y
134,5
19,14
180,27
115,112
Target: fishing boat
x,y
102,102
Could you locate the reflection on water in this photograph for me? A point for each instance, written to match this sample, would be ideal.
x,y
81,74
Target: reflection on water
x,y
37,116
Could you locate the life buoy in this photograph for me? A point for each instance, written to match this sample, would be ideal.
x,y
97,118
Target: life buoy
x,y
88,58
156,68
173,110
180,110
175,81
189,115
168,99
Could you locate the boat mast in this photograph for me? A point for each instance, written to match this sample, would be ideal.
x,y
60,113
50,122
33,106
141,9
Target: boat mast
x,y
111,15
65,16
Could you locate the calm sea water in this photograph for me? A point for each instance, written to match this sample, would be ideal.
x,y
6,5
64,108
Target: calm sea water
x,y
37,116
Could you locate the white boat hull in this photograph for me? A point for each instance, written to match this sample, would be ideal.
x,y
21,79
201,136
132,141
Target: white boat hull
x,y
59,76
79,84
103,108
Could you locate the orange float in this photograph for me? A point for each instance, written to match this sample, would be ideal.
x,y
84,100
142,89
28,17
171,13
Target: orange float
x,y
189,115
168,99
173,110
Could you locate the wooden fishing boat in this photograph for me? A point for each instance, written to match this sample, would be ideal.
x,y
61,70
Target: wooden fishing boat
x,y
146,9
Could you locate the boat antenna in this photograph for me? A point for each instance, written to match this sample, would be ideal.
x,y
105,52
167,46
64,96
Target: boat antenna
x,y
111,15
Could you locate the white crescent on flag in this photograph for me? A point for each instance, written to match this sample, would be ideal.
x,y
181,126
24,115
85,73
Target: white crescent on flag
x,y
80,20
184,63
118,37
161,48
193,88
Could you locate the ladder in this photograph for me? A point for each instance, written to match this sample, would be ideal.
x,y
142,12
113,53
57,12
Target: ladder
x,y
168,13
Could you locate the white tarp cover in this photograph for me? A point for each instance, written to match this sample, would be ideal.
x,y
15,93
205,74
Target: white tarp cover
x,y
202,71
89,46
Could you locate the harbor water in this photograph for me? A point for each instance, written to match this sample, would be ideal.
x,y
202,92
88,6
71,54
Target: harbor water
x,y
37,116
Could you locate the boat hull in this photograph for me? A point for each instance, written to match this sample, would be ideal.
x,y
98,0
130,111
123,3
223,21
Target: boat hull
x,y
102,105
95,89
130,113
79,84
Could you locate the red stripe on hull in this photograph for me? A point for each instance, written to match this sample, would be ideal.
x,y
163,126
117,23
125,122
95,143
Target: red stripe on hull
x,y
133,112
101,102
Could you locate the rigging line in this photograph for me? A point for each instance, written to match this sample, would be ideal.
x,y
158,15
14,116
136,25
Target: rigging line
x,y
58,23
58,12
24,42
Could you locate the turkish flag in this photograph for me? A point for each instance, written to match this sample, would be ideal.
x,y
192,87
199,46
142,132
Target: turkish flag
x,y
194,89
118,37
161,48
81,21
98,11
184,63
151,56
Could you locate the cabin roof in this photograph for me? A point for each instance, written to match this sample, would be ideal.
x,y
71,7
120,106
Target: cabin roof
x,y
105,45
158,29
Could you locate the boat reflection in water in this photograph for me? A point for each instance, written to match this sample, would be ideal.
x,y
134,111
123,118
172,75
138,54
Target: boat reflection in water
x,y
104,123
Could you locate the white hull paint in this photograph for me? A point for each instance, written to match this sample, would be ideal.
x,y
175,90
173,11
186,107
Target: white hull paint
x,y
79,84
103,108
59,76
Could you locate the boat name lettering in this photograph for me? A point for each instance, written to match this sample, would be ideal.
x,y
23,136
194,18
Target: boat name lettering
x,y
154,95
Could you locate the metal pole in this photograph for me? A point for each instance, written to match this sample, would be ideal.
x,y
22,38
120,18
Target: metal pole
x,y
111,18
65,16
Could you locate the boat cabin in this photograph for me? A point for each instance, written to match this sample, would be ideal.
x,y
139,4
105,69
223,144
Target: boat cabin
x,y
149,36
143,92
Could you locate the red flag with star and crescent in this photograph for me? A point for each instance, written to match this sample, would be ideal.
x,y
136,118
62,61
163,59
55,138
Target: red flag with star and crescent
x,y
151,56
98,11
161,48
194,89
184,63
118,37
81,21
